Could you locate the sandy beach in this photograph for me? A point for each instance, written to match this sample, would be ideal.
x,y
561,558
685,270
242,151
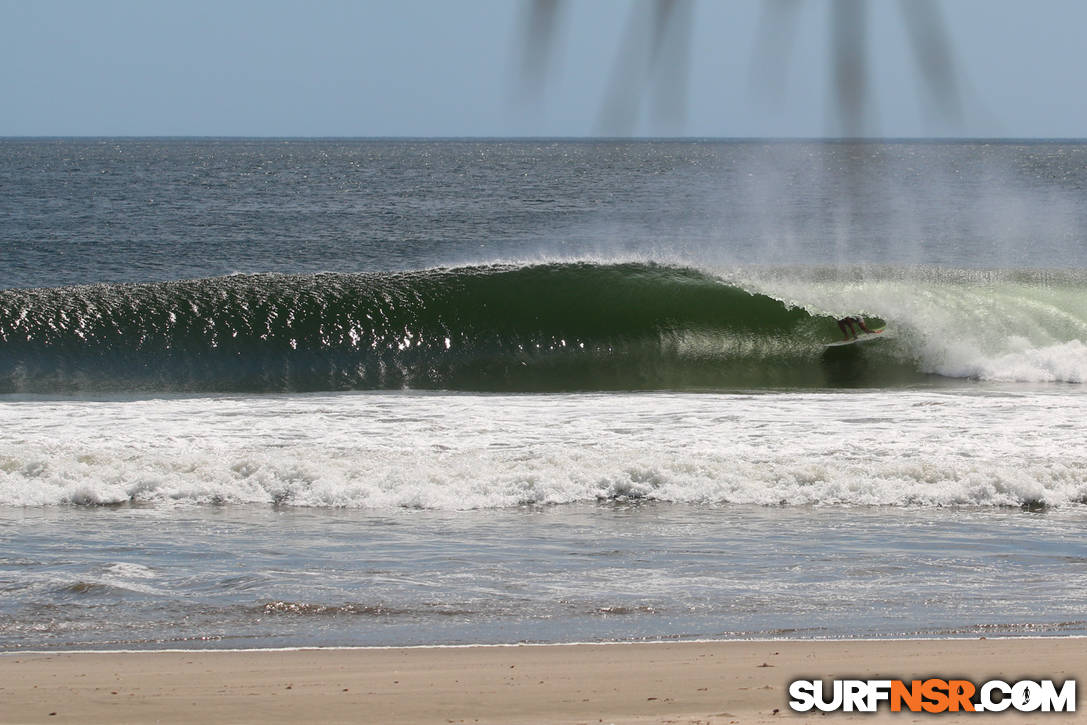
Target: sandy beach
x,y
716,682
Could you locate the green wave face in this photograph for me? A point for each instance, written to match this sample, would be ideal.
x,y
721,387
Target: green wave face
x,y
546,327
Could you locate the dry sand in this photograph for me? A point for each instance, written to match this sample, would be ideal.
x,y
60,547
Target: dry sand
x,y
718,682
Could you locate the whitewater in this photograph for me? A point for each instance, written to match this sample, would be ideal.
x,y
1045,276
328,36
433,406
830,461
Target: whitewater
x,y
990,447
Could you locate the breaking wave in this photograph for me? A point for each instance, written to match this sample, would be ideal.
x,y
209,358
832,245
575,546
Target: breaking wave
x,y
544,327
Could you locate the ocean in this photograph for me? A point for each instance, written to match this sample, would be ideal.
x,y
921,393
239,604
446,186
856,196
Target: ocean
x,y
337,392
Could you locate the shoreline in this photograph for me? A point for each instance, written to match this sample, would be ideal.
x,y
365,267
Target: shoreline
x,y
514,645
730,681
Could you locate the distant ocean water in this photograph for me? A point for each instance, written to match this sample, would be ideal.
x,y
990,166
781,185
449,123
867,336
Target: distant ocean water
x,y
322,392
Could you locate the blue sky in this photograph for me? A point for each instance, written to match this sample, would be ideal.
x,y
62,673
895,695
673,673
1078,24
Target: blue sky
x,y
449,68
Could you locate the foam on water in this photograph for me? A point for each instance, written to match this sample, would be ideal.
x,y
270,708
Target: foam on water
x,y
1008,326
441,451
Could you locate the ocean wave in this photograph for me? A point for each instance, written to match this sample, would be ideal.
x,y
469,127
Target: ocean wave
x,y
542,327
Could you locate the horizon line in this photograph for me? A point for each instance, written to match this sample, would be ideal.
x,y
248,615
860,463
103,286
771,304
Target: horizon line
x,y
616,139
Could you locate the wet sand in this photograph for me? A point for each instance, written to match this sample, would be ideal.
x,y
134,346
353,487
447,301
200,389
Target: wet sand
x,y
716,682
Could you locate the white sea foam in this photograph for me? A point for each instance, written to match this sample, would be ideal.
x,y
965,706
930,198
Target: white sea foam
x,y
128,570
955,323
441,451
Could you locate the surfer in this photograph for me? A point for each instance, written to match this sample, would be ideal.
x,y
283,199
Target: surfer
x,y
849,322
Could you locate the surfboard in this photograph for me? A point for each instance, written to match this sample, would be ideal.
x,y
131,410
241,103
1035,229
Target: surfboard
x,y
862,337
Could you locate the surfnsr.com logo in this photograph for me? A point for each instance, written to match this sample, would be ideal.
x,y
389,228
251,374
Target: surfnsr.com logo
x,y
933,695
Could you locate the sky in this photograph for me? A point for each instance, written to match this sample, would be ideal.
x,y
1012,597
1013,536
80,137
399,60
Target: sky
x,y
452,68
